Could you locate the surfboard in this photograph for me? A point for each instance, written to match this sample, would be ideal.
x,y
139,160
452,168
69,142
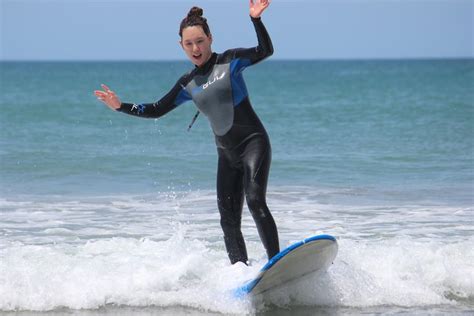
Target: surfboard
x,y
311,255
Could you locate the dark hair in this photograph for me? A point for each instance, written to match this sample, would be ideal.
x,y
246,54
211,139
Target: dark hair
x,y
194,18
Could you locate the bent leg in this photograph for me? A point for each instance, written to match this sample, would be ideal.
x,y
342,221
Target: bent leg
x,y
230,198
257,160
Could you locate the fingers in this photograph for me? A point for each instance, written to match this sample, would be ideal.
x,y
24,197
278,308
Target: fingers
x,y
105,87
258,6
107,93
101,94
262,2
108,97
104,96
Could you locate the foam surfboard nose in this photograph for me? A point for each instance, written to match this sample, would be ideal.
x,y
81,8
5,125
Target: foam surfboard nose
x,y
313,254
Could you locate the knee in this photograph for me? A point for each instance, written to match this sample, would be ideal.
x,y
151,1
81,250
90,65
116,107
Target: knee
x,y
230,217
230,223
257,206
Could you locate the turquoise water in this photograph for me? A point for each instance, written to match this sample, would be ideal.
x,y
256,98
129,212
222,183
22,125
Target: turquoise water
x,y
378,153
399,126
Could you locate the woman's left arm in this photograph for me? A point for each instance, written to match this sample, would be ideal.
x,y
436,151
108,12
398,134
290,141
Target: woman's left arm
x,y
264,49
265,46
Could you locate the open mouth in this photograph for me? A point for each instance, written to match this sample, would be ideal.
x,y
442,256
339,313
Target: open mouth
x,y
197,56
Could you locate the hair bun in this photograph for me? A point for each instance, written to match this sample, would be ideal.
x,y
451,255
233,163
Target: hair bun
x,y
194,18
195,11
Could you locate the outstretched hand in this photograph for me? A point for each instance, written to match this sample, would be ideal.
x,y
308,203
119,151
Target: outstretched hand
x,y
108,97
257,7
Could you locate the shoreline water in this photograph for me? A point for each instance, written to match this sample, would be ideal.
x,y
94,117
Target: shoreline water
x,y
391,260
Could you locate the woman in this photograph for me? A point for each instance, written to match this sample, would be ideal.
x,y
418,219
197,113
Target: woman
x,y
217,88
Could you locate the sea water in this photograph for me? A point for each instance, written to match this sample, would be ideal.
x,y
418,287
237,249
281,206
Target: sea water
x,y
104,213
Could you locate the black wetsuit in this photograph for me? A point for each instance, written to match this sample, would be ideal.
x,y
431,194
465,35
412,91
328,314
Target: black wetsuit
x,y
218,90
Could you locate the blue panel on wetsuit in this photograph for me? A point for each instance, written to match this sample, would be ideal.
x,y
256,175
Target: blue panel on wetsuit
x,y
239,88
182,97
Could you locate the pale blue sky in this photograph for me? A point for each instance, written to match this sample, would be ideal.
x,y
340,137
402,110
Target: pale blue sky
x,y
309,29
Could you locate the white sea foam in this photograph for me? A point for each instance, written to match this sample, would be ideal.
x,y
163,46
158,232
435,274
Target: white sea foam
x,y
184,272
167,250
117,271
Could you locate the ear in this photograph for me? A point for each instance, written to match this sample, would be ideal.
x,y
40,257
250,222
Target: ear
x,y
210,38
181,43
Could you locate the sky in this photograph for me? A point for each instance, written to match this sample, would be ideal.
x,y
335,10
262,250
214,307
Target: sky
x,y
300,29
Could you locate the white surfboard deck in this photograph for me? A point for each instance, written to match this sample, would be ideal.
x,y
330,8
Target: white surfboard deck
x,y
313,254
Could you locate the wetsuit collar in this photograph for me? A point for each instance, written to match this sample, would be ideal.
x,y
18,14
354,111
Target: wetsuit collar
x,y
205,68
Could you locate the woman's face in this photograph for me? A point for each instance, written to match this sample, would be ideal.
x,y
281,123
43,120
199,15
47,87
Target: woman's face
x,y
196,45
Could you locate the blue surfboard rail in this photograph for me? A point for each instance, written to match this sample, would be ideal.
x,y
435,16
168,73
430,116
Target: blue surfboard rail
x,y
248,287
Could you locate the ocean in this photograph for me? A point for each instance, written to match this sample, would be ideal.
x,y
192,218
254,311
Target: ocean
x,y
108,214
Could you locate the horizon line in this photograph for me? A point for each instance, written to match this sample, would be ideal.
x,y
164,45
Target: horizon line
x,y
272,60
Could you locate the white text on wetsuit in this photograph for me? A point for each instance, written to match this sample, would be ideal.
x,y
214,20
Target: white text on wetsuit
x,y
207,84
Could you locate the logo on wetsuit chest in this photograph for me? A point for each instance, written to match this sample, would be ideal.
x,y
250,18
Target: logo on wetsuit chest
x,y
216,77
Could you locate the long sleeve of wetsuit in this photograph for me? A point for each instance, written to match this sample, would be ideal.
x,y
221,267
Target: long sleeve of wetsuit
x,y
264,49
176,96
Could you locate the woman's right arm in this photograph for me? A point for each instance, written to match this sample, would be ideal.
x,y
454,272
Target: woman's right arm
x,y
170,101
